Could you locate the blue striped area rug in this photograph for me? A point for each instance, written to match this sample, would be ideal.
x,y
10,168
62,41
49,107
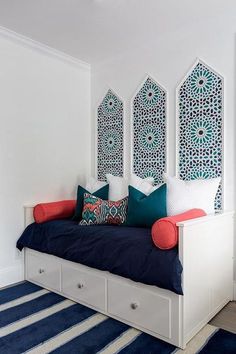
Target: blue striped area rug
x,y
35,320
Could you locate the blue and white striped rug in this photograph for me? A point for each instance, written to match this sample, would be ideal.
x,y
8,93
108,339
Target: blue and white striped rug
x,y
35,320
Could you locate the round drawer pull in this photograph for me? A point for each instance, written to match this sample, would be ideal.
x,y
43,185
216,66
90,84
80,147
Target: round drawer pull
x,y
80,286
41,271
134,305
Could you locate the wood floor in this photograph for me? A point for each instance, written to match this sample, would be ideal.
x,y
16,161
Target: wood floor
x,y
226,318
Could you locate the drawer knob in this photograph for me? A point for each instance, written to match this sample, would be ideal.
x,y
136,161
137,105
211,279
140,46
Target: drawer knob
x,y
80,286
134,305
41,271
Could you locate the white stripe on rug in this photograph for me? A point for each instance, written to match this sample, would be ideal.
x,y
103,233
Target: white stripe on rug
x,y
68,335
121,342
15,326
23,299
198,341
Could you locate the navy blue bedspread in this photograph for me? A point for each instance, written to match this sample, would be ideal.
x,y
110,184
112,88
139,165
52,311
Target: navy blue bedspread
x,y
125,251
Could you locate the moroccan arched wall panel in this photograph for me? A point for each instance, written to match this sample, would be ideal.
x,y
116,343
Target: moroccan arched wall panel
x,y
149,131
110,136
200,126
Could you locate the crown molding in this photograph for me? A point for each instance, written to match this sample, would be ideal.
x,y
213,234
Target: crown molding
x,y
42,48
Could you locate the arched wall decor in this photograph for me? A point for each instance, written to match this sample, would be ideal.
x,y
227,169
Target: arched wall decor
x,y
200,126
110,134
149,131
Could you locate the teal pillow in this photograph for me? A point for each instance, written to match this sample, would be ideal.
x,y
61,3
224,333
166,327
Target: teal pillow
x,y
101,193
144,210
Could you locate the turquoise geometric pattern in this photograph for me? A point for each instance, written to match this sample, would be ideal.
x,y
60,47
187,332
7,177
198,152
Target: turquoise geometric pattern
x,y
149,131
200,145
110,136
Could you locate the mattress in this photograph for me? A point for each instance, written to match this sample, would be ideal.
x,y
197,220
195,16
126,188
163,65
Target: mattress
x,y
125,251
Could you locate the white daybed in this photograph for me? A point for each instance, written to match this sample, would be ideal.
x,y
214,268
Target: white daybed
x,y
206,254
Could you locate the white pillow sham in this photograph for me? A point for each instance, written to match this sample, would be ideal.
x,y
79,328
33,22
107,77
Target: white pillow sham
x,y
93,184
118,186
185,195
144,185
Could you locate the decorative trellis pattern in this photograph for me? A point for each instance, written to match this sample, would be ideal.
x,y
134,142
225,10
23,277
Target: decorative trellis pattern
x,y
149,131
110,136
200,108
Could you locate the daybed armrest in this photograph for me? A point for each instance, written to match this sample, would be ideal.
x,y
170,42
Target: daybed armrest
x,y
28,214
206,254
207,218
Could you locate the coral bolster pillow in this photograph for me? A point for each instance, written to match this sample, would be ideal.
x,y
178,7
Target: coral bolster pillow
x,y
56,210
165,231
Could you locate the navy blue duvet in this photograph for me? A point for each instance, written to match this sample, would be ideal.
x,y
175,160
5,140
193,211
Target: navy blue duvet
x,y
125,251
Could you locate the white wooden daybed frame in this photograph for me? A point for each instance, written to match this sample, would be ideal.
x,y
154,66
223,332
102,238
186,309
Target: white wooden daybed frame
x,y
206,253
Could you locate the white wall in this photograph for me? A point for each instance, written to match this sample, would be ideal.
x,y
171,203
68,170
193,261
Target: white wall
x,y
167,58
44,138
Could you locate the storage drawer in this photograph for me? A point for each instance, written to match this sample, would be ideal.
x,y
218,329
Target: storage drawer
x,y
43,270
140,306
84,286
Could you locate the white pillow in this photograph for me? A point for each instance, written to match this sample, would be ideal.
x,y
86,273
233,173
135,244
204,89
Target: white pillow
x,y
144,185
185,195
118,187
93,184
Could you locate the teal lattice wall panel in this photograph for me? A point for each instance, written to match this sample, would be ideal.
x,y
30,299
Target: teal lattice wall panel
x,y
200,126
110,136
149,130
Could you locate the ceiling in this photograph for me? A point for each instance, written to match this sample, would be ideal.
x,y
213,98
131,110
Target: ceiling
x,y
93,30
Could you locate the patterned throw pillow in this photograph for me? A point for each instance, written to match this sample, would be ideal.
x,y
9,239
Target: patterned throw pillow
x,y
98,211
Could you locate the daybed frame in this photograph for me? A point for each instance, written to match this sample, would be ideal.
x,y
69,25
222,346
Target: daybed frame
x,y
206,253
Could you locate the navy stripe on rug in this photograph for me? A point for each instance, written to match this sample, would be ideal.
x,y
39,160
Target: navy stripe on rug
x,y
31,336
28,327
29,308
17,291
147,344
222,342
94,339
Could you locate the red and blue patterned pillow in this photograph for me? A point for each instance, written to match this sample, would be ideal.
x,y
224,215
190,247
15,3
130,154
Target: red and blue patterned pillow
x,y
98,211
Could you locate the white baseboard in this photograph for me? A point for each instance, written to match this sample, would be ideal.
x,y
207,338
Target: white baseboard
x,y
12,274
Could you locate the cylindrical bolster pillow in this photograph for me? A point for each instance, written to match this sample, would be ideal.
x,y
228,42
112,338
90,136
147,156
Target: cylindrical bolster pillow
x,y
165,231
56,210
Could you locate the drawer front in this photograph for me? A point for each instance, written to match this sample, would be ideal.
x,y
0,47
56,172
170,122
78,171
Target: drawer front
x,y
140,306
84,286
44,271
